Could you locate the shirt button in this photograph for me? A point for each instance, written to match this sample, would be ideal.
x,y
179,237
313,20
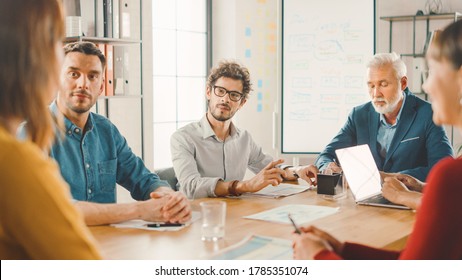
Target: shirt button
x,y
89,190
69,132
87,165
77,130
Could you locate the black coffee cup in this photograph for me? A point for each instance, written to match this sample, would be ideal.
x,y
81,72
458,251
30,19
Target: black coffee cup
x,y
327,183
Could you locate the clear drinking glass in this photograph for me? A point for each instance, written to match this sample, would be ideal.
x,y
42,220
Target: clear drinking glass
x,y
213,220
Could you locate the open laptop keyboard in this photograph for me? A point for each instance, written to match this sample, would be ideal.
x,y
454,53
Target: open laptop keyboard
x,y
379,199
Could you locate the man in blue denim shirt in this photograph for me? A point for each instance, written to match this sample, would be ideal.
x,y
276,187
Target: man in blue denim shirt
x,y
93,156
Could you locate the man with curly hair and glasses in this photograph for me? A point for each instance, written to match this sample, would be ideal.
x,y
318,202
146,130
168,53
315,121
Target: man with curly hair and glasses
x,y
210,157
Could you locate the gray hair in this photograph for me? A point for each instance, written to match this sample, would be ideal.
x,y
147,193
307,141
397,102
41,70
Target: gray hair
x,y
382,59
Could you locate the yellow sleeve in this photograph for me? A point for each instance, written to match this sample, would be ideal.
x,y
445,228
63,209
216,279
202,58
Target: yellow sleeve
x,y
38,219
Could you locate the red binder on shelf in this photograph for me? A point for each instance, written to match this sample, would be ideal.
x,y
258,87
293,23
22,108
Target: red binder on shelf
x,y
109,70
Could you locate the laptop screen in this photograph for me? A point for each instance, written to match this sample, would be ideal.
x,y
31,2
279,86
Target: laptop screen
x,y
360,171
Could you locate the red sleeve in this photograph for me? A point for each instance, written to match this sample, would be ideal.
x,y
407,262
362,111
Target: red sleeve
x,y
437,232
353,251
327,255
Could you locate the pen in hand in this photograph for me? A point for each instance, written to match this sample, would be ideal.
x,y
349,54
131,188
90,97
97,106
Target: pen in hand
x,y
297,229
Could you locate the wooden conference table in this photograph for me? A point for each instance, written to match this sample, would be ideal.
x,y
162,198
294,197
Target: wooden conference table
x,y
375,226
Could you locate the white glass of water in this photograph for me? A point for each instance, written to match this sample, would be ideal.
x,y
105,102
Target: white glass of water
x,y
213,219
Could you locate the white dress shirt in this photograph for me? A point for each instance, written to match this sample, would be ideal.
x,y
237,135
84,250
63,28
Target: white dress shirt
x,y
200,158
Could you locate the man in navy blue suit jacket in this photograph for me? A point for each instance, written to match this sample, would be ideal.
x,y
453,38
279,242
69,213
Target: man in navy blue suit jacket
x,y
397,125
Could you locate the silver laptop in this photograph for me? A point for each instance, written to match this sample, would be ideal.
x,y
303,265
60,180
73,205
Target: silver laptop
x,y
363,176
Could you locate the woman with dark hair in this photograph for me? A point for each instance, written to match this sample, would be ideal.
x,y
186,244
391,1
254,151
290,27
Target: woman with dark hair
x,y
37,219
438,228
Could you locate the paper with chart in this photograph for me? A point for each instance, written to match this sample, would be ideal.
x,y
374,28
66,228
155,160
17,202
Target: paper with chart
x,y
280,190
301,213
257,248
140,224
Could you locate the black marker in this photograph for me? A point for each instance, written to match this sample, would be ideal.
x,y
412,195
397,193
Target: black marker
x,y
297,229
158,225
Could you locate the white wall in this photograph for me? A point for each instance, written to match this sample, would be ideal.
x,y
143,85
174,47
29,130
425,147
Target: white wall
x,y
223,30
247,31
230,20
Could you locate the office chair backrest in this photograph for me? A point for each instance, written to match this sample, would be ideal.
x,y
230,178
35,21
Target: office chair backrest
x,y
168,174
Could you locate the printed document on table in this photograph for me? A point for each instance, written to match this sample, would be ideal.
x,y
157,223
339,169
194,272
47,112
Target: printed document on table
x,y
301,213
257,248
140,224
280,190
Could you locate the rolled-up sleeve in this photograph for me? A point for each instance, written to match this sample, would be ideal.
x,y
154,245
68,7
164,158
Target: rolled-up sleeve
x,y
132,174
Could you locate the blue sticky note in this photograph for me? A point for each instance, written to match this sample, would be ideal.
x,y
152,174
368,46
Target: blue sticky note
x,y
248,53
260,83
259,107
248,32
259,96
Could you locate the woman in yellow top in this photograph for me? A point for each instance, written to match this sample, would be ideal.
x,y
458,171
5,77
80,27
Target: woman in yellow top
x,y
37,219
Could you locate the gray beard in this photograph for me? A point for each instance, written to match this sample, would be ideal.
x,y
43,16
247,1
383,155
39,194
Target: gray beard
x,y
385,109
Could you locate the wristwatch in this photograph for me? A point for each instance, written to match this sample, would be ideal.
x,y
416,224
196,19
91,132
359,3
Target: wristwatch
x,y
284,166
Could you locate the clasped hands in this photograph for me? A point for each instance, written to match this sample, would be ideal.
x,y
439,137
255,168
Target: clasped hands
x,y
167,206
402,189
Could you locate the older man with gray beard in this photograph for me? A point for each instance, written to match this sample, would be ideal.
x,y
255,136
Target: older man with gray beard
x,y
397,125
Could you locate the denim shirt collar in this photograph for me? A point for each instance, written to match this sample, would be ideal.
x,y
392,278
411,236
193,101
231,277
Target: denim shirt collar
x,y
69,127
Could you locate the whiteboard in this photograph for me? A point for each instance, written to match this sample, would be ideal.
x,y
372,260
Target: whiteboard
x,y
325,45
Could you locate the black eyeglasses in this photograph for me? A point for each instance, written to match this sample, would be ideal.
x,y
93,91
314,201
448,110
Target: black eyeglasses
x,y
233,95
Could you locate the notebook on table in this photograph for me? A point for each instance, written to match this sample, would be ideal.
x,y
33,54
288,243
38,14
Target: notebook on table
x,y
363,176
